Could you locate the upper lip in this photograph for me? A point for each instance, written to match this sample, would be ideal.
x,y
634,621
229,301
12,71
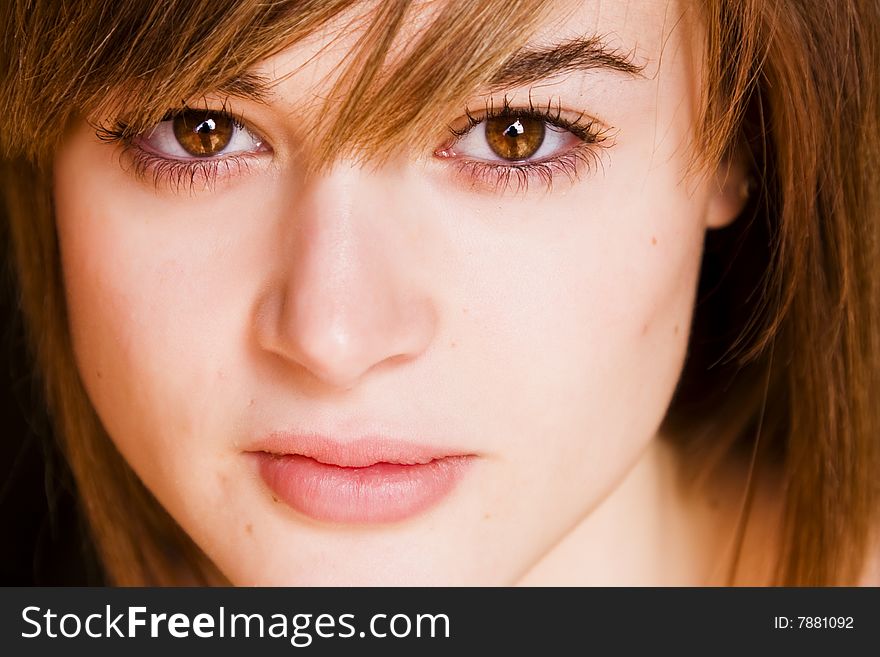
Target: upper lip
x,y
359,452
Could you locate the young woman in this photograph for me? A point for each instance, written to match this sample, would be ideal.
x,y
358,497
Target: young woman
x,y
455,292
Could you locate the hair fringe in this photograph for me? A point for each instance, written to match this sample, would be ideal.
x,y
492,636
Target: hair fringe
x,y
795,84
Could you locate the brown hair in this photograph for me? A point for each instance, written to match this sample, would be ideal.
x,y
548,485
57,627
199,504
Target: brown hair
x,y
784,355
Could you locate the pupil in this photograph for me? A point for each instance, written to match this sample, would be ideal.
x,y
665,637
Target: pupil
x,y
515,129
208,125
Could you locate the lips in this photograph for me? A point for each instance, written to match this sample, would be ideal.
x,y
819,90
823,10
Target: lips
x,y
369,480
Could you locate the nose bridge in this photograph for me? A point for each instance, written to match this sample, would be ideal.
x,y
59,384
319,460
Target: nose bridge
x,y
339,282
347,301
334,254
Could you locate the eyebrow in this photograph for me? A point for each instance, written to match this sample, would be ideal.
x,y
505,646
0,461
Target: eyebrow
x,y
532,64
526,66
248,86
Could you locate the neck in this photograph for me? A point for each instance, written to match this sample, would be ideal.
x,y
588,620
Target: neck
x,y
653,530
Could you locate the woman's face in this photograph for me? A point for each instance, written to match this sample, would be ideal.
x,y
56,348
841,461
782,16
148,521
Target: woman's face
x,y
414,373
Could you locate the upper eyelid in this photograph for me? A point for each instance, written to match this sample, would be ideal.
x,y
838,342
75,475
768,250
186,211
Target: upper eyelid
x,y
592,131
552,111
122,128
238,120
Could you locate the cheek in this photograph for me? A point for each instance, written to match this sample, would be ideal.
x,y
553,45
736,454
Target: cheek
x,y
583,306
157,302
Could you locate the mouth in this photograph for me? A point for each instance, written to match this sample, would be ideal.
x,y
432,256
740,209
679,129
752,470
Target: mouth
x,y
369,480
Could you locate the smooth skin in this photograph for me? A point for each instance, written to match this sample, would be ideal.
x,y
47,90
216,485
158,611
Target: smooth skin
x,y
542,331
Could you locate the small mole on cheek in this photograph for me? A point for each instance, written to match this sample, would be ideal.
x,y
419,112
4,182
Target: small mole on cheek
x,y
453,344
645,330
250,403
274,499
676,329
249,528
654,241
487,516
100,374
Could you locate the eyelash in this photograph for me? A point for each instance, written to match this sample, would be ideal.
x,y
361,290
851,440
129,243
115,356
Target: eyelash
x,y
585,157
171,172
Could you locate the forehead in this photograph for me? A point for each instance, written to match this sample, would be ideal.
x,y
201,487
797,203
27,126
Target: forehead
x,y
641,29
644,26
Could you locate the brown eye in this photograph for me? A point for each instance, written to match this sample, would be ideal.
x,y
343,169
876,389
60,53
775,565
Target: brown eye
x,y
203,134
514,138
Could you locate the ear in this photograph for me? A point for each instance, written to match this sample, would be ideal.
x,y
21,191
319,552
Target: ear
x,y
730,190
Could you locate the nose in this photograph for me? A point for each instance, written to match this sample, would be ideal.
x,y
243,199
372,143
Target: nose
x,y
350,297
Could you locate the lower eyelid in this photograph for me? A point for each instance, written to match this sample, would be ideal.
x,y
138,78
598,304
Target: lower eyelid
x,y
584,159
193,174
258,150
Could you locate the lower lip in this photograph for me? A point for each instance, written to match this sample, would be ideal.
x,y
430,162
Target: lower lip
x,y
382,492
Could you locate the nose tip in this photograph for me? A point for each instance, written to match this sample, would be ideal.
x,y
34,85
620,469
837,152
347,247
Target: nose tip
x,y
336,338
331,356
341,351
